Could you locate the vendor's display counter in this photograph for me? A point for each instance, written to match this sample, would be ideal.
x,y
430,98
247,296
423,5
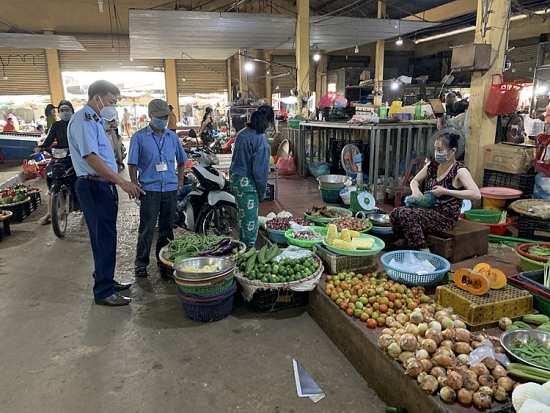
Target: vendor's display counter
x,y
18,145
384,375
391,147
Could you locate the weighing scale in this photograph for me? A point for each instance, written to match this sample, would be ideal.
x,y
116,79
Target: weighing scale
x,y
361,200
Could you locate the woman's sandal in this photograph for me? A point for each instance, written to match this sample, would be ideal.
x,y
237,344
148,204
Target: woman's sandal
x,y
45,220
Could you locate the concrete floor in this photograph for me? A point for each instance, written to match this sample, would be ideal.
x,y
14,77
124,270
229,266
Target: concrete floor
x,y
62,353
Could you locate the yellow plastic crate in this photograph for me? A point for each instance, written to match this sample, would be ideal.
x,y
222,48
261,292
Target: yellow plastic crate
x,y
484,311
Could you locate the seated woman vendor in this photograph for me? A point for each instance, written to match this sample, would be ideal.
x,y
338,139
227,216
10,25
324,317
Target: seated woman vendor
x,y
450,182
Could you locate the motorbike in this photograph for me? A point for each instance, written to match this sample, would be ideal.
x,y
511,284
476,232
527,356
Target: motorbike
x,y
207,207
62,178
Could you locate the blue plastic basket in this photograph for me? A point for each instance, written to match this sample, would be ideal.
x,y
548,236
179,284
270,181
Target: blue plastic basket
x,y
203,311
277,236
412,279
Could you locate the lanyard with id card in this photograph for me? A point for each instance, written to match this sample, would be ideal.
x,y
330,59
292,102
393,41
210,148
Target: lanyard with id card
x,y
162,166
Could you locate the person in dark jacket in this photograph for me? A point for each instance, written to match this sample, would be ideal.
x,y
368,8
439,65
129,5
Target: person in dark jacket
x,y
50,115
249,172
57,133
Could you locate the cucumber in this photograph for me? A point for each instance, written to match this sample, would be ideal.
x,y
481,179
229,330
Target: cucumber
x,y
271,253
251,261
544,327
249,253
536,318
521,324
261,255
512,327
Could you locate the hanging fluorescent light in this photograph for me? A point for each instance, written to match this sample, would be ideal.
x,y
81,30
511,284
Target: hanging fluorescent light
x,y
395,86
316,57
399,41
5,77
183,79
472,28
356,49
100,3
248,66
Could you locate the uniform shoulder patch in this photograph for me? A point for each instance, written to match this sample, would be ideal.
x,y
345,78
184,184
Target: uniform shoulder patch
x,y
87,116
96,118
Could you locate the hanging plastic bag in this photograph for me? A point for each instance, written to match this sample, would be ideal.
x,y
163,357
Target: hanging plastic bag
x,y
542,187
287,166
30,169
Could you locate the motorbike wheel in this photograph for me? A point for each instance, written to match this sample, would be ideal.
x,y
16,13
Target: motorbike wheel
x,y
221,219
60,213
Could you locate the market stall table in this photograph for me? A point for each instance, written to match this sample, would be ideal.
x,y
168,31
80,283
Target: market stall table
x,y
225,163
18,145
390,147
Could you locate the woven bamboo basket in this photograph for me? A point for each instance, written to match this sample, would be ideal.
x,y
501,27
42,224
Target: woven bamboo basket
x,y
532,208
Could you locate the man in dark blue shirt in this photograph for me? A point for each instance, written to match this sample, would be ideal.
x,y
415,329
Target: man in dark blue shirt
x,y
154,151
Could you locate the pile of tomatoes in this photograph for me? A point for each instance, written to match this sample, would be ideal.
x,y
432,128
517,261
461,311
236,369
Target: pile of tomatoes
x,y
373,297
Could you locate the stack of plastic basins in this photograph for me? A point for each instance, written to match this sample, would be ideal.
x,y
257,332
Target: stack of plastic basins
x,y
207,302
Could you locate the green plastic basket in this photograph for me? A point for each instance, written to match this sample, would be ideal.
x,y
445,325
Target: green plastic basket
x,y
486,216
330,195
206,290
305,244
528,264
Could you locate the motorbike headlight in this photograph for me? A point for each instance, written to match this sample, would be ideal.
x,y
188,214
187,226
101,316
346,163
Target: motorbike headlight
x,y
59,153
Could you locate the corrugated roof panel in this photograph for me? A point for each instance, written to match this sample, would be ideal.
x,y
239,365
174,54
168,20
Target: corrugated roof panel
x,y
165,34
39,41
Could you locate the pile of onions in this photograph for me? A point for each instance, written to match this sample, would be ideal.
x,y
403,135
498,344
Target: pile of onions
x,y
433,347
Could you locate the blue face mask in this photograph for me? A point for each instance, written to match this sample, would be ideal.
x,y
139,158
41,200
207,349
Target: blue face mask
x,y
158,123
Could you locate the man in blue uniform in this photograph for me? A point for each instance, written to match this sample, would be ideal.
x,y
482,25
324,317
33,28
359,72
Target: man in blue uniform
x,y
154,151
96,168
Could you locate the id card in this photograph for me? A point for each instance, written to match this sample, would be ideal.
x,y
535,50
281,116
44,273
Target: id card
x,y
161,167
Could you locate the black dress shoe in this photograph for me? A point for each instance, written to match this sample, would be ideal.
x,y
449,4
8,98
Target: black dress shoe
x,y
121,286
140,272
115,300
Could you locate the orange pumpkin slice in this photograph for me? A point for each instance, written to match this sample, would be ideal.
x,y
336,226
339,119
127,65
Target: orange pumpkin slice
x,y
471,281
497,278
482,268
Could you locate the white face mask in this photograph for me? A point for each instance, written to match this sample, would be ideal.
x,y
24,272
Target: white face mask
x,y
233,133
108,113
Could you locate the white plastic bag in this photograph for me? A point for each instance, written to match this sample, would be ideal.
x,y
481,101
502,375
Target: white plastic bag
x,y
412,264
294,253
484,351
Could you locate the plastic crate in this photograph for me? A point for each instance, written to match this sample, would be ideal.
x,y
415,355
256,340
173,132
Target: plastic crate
x,y
4,228
535,278
330,196
268,301
523,182
532,228
335,264
541,299
36,200
20,210
484,311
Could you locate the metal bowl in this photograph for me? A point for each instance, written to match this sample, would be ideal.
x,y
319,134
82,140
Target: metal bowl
x,y
379,220
225,265
509,338
333,181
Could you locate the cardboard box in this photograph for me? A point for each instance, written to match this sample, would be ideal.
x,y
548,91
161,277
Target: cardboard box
x,y
514,159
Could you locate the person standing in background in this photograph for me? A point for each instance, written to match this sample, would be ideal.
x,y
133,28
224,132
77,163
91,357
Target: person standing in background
x,y
172,120
126,122
249,172
97,172
50,115
205,131
58,134
9,126
153,153
545,117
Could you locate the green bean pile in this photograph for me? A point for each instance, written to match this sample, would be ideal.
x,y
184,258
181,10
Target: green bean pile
x,y
190,245
539,250
534,352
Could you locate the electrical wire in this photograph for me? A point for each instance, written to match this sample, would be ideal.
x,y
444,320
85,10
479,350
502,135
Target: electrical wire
x,y
111,25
